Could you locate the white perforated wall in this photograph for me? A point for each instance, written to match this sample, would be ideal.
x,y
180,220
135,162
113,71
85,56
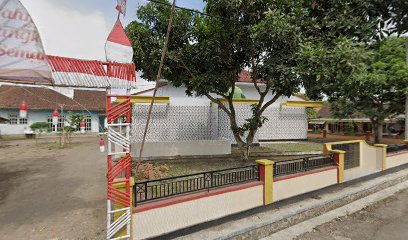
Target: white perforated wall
x,y
186,123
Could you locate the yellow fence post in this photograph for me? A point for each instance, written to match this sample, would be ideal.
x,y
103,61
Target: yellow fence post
x,y
384,155
122,186
266,175
339,157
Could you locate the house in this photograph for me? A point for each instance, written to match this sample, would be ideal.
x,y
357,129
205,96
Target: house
x,y
358,123
41,103
196,124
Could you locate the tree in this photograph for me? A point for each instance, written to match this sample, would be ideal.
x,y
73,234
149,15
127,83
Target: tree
x,y
379,91
271,38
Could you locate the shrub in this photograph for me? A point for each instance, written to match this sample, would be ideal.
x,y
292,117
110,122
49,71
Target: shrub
x,y
40,127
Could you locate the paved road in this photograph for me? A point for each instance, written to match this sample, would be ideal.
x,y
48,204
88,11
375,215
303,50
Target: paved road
x,y
387,219
48,193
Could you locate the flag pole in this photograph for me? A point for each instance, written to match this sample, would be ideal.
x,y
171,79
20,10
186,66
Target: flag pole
x,y
158,77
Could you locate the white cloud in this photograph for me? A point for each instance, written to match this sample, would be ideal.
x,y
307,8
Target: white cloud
x,y
68,32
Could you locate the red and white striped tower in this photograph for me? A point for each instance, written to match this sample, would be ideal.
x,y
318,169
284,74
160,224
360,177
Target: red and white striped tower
x,y
118,48
119,167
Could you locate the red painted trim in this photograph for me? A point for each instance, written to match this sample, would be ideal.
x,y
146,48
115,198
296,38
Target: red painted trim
x,y
337,160
192,197
92,67
304,174
396,154
262,178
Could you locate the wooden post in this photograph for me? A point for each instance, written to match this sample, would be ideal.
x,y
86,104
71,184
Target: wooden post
x,y
406,100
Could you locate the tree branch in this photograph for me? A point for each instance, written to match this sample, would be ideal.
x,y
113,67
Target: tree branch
x,y
270,102
219,103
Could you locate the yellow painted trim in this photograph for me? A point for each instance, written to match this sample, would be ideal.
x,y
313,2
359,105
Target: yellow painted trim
x,y
238,101
344,142
268,184
311,104
123,185
337,151
341,163
384,160
265,162
146,99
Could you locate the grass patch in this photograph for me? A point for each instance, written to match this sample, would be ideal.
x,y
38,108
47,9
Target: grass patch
x,y
294,147
54,146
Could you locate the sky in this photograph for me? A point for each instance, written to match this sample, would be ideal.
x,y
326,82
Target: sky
x,y
79,28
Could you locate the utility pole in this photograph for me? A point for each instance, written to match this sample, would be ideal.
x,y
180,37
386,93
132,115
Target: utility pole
x,y
406,96
158,77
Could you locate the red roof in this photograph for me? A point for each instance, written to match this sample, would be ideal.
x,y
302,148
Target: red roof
x,y
42,98
245,76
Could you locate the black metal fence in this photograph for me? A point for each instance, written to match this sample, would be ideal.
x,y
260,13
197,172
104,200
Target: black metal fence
x,y
167,187
305,164
396,148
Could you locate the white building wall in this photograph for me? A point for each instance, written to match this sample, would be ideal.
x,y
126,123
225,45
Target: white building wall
x,y
34,116
191,118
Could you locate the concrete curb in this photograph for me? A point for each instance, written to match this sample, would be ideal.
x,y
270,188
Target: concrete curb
x,y
308,226
265,221
286,220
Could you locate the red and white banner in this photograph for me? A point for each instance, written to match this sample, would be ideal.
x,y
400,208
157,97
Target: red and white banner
x,y
22,57
121,7
118,47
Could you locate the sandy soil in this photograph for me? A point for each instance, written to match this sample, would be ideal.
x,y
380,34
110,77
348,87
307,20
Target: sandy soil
x,y
51,193
387,219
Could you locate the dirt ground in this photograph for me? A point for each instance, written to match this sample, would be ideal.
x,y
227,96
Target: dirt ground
x,y
387,219
51,193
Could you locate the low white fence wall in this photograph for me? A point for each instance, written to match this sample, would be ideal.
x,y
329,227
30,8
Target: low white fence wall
x,y
297,184
165,216
397,159
184,148
371,157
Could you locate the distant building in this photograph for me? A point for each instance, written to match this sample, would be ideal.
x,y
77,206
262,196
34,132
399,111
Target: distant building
x,y
41,103
358,123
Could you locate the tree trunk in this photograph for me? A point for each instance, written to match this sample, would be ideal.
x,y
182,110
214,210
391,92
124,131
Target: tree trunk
x,y
378,131
243,146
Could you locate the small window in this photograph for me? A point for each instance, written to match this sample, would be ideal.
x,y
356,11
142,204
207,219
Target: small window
x,y
23,121
59,126
13,118
88,123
